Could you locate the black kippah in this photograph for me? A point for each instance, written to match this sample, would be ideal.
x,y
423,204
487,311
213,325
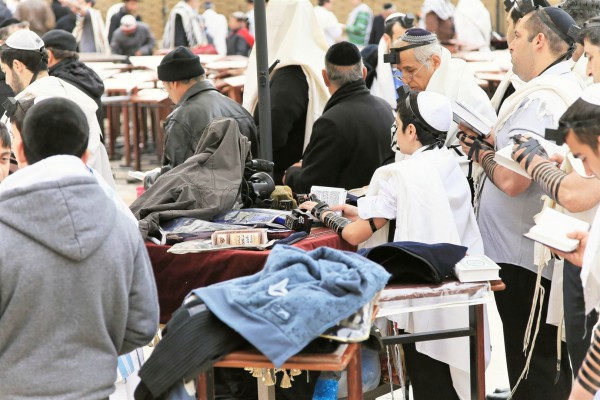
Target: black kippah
x,y
560,22
343,54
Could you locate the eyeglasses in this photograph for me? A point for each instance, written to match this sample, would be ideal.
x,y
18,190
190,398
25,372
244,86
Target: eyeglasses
x,y
407,78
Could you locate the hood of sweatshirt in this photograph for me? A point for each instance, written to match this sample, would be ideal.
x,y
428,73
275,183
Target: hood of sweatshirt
x,y
56,202
80,75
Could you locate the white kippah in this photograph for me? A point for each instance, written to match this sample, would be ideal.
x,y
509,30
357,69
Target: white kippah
x,y
435,110
592,94
25,39
395,15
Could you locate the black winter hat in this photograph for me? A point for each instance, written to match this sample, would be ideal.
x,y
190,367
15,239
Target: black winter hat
x,y
179,64
60,40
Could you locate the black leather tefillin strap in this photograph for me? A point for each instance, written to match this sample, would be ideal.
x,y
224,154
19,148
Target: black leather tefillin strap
x,y
476,147
530,147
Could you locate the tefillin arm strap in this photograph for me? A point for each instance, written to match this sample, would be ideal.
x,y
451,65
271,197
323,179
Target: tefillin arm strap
x,y
530,147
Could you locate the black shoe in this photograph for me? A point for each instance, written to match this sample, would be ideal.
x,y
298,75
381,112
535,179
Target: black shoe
x,y
499,394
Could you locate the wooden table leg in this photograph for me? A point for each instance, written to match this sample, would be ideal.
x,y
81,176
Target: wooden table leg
x,y
126,138
354,375
206,385
477,352
265,392
136,136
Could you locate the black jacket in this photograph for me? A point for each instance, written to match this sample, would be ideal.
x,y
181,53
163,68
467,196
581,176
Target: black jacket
x,y
185,125
5,91
348,143
377,29
82,77
289,102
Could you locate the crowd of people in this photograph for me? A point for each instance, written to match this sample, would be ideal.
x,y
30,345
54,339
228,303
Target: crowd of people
x,y
374,111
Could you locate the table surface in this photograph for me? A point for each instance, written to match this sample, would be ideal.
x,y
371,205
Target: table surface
x,y
178,274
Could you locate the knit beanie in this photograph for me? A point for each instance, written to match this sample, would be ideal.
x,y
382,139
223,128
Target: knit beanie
x,y
179,64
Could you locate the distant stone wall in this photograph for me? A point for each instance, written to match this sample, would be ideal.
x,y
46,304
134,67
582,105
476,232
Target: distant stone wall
x,y
151,10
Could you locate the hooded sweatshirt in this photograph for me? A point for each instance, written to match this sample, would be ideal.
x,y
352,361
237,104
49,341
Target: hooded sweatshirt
x,y
76,284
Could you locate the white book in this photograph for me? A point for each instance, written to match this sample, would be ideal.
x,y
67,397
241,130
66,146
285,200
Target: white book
x,y
142,174
477,269
504,156
330,195
552,227
466,115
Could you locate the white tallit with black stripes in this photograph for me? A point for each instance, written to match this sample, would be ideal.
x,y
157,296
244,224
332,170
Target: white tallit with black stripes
x,y
192,25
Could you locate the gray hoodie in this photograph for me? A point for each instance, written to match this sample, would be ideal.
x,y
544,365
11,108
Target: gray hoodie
x,y
76,284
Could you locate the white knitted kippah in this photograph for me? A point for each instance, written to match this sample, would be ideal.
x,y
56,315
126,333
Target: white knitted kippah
x,y
25,39
419,35
435,110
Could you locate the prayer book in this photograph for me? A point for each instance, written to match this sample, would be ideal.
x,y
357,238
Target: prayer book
x,y
466,115
504,156
552,227
330,195
477,269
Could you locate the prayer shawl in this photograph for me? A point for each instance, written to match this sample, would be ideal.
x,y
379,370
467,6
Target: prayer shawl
x,y
454,79
191,25
112,10
473,25
100,38
508,78
579,69
294,38
217,28
443,8
383,84
438,211
54,87
590,273
546,88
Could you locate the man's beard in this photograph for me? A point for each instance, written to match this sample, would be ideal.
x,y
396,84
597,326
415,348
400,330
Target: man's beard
x,y
17,84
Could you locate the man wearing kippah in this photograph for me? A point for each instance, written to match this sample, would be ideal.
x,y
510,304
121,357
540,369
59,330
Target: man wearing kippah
x,y
542,44
198,103
24,60
386,79
355,125
63,63
426,65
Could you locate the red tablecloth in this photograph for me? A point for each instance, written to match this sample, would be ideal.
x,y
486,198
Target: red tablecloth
x,y
178,274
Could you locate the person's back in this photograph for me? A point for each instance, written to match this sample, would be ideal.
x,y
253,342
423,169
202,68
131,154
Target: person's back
x,y
84,291
198,103
38,13
355,125
137,41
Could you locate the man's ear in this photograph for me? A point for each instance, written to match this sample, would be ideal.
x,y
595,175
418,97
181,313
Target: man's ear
x,y
325,77
19,150
411,131
85,156
364,72
435,61
50,57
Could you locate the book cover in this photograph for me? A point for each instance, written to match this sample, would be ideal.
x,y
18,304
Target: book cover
x,y
464,114
504,156
552,227
477,269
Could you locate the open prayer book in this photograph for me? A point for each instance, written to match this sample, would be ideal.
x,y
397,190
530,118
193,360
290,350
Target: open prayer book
x,y
466,115
552,227
331,195
504,156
